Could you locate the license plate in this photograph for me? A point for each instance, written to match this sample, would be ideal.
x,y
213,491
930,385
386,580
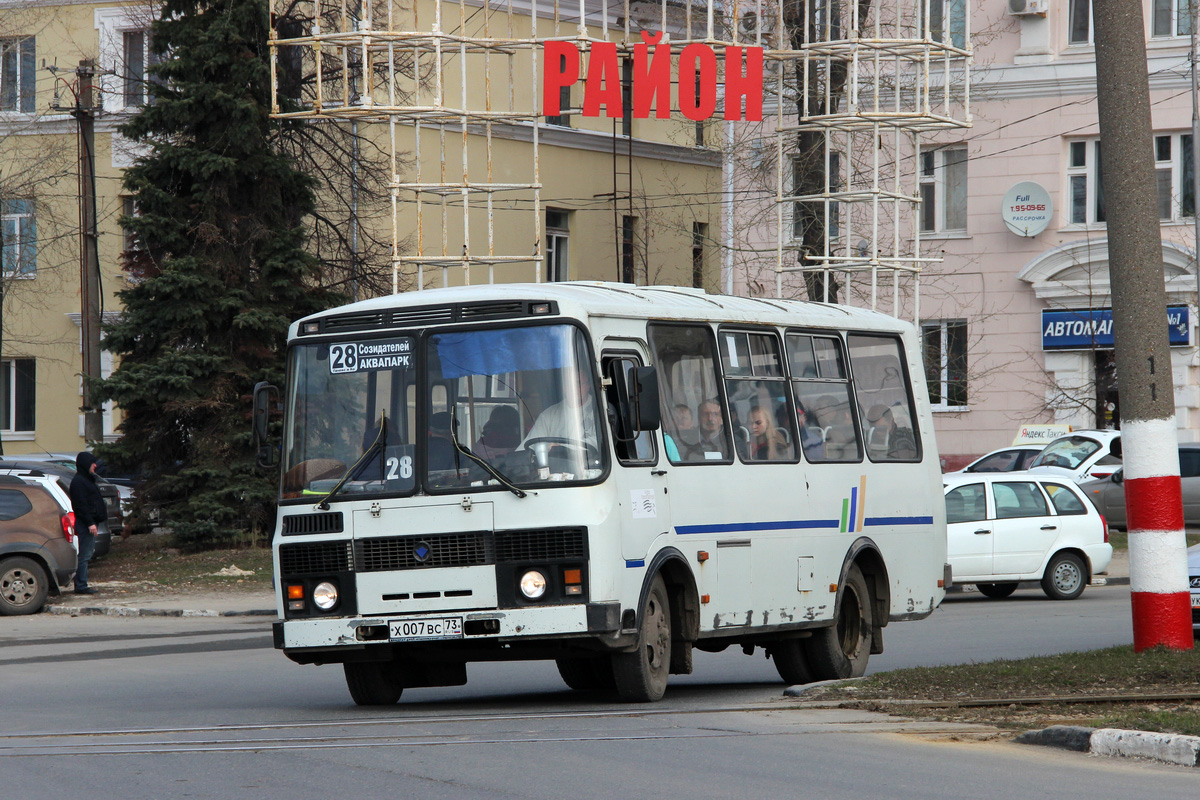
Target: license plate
x,y
409,630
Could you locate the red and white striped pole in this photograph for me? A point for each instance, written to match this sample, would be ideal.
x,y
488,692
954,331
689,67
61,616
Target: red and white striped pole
x,y
1158,577
1157,550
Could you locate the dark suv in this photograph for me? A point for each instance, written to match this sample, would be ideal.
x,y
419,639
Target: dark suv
x,y
37,550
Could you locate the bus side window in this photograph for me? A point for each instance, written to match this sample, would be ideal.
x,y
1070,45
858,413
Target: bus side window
x,y
693,412
757,392
821,390
884,400
631,450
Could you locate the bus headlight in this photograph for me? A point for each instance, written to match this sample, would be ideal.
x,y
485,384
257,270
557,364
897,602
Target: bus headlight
x,y
325,595
533,584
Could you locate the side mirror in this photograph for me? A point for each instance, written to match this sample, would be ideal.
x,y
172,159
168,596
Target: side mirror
x,y
646,411
1118,476
266,456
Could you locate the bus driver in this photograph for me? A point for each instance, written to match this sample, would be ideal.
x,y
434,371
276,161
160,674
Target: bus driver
x,y
574,418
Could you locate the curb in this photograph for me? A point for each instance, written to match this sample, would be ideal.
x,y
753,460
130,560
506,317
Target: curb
x,y
127,611
1166,747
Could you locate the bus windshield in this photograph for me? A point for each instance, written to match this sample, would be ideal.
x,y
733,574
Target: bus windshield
x,y
521,399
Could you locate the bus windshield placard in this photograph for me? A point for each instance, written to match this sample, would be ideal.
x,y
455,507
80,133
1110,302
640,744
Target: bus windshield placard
x,y
375,354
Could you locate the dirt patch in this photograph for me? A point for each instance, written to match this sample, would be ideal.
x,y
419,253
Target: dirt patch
x,y
147,564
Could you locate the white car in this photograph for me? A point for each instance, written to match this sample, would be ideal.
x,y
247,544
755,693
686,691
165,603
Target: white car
x,y
1007,527
1007,459
1081,456
1193,554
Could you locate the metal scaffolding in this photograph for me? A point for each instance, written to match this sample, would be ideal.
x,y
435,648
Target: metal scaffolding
x,y
867,79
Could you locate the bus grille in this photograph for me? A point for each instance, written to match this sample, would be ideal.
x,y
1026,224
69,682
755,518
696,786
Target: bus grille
x,y
424,552
313,523
315,558
541,545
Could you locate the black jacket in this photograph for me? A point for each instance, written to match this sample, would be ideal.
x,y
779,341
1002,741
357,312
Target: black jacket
x,y
86,501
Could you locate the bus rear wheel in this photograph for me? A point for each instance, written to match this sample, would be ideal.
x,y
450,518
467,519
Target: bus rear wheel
x,y
791,661
588,674
641,676
373,683
842,650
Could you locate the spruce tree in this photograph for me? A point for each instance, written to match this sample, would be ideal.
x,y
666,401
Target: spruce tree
x,y
219,270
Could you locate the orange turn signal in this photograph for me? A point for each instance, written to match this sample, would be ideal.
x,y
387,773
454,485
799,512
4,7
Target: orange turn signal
x,y
572,576
295,591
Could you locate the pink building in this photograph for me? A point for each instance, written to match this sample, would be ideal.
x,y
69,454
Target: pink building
x,y
1016,324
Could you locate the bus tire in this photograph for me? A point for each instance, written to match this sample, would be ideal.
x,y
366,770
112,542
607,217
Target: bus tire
x,y
996,591
373,683
1065,578
641,676
842,649
588,674
791,661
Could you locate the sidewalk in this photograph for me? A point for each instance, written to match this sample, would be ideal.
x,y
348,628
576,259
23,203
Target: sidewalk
x,y
116,600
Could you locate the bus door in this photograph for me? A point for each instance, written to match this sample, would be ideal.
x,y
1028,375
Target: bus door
x,y
641,484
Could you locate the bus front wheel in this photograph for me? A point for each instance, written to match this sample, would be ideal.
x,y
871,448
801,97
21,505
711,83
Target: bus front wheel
x,y
842,650
641,676
587,674
373,683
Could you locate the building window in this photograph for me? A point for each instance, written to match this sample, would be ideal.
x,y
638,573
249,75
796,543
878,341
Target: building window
x,y
944,346
812,213
1173,176
948,21
136,57
17,74
557,234
18,390
562,119
699,234
944,190
128,210
628,273
626,97
1079,22
18,238
1171,18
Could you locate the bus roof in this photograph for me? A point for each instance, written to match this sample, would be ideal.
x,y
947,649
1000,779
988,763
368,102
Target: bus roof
x,y
585,299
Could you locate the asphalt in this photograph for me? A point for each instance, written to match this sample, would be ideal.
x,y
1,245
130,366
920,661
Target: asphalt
x,y
1169,748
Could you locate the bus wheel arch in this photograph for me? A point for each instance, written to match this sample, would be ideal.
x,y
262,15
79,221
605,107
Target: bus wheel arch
x,y
865,553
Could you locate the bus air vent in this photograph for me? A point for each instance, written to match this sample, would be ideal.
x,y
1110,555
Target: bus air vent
x,y
550,544
353,322
294,524
513,308
315,558
424,552
426,315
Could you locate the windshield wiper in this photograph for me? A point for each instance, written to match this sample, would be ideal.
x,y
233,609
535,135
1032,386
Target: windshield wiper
x,y
357,466
504,480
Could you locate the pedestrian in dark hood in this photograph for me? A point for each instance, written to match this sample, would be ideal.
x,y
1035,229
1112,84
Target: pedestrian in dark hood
x,y
88,505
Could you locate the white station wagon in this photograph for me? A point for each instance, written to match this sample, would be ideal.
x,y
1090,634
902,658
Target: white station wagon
x,y
1007,527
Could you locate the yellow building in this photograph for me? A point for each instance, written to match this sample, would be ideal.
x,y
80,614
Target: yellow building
x,y
629,199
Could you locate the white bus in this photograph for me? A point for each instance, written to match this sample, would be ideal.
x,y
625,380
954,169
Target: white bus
x,y
601,474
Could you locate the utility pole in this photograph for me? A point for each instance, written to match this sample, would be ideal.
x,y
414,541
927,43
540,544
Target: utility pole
x,y
89,257
1157,547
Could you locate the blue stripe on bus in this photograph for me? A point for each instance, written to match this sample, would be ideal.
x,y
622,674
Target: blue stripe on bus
x,y
633,564
853,509
898,521
739,527
736,527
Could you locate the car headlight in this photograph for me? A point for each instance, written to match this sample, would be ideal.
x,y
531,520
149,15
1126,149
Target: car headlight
x,y
325,595
533,584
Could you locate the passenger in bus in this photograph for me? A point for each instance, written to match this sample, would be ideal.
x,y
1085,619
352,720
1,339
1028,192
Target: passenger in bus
x,y
686,435
501,433
767,442
572,418
841,444
712,443
811,438
442,453
898,443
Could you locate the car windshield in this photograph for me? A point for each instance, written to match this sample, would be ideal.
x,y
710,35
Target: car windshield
x,y
521,400
1069,453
